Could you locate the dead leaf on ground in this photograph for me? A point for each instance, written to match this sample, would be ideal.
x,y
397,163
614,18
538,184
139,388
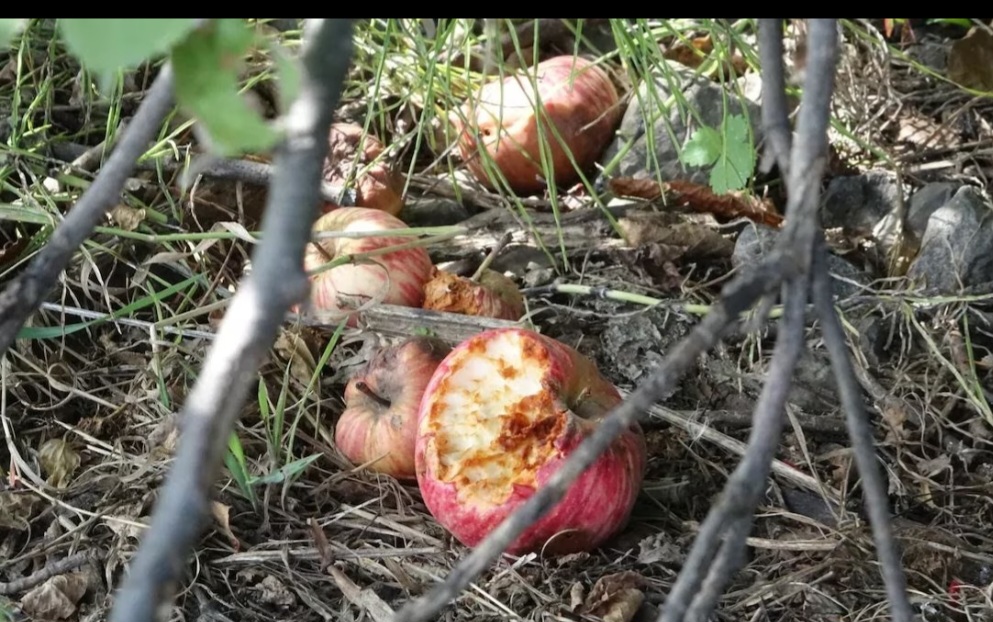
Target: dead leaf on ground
x,y
363,598
222,516
616,597
293,347
59,461
700,199
17,509
922,132
684,237
659,548
55,599
729,206
126,217
272,591
970,60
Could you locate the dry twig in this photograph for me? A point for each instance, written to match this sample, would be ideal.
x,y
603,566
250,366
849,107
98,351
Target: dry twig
x,y
248,330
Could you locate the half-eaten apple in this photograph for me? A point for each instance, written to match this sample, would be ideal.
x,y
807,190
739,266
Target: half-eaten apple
x,y
501,414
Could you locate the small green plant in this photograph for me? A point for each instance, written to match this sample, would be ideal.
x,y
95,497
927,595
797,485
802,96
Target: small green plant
x,y
729,149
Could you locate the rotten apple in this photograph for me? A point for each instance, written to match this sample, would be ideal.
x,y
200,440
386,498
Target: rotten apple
x,y
379,423
501,414
577,98
491,295
377,184
395,277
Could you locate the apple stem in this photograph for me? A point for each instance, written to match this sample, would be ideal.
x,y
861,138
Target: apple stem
x,y
364,388
503,241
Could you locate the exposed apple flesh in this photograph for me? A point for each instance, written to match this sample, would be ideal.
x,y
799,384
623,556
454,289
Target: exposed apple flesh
x,y
501,414
493,295
379,423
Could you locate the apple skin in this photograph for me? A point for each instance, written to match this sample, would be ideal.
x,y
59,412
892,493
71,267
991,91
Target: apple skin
x,y
501,414
395,278
379,186
380,417
578,98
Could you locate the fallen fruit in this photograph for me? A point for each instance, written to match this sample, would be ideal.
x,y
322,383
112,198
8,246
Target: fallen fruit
x,y
379,423
501,414
577,98
493,295
396,277
377,186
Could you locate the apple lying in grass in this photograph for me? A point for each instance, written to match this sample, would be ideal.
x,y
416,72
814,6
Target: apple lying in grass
x,y
501,414
395,277
377,185
379,423
491,295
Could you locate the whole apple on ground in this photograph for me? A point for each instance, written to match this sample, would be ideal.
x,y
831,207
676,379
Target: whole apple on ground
x,y
396,277
379,423
501,414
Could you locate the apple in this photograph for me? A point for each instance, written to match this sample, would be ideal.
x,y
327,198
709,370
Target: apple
x,y
379,423
377,185
492,295
577,97
500,415
396,277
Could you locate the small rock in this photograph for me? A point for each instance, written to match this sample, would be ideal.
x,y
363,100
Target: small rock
x,y
755,241
957,247
925,202
857,203
432,212
702,95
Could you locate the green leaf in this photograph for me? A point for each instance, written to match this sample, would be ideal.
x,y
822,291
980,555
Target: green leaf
x,y
736,164
207,65
9,27
234,459
106,45
287,471
703,148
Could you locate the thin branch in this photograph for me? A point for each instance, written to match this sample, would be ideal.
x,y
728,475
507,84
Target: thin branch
x,y
737,297
728,523
23,295
860,432
775,112
694,592
53,569
248,330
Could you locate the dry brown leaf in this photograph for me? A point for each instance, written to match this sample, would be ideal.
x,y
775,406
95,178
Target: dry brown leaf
x,y
676,235
222,516
970,60
494,295
59,461
729,206
127,217
647,189
293,347
616,597
17,509
272,591
364,599
694,53
922,132
659,548
55,599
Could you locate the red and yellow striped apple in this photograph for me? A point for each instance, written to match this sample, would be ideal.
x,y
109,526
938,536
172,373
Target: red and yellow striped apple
x,y
501,414
396,277
379,423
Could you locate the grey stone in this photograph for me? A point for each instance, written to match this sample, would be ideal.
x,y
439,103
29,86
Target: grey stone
x,y
858,203
432,212
957,247
755,241
925,202
671,121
